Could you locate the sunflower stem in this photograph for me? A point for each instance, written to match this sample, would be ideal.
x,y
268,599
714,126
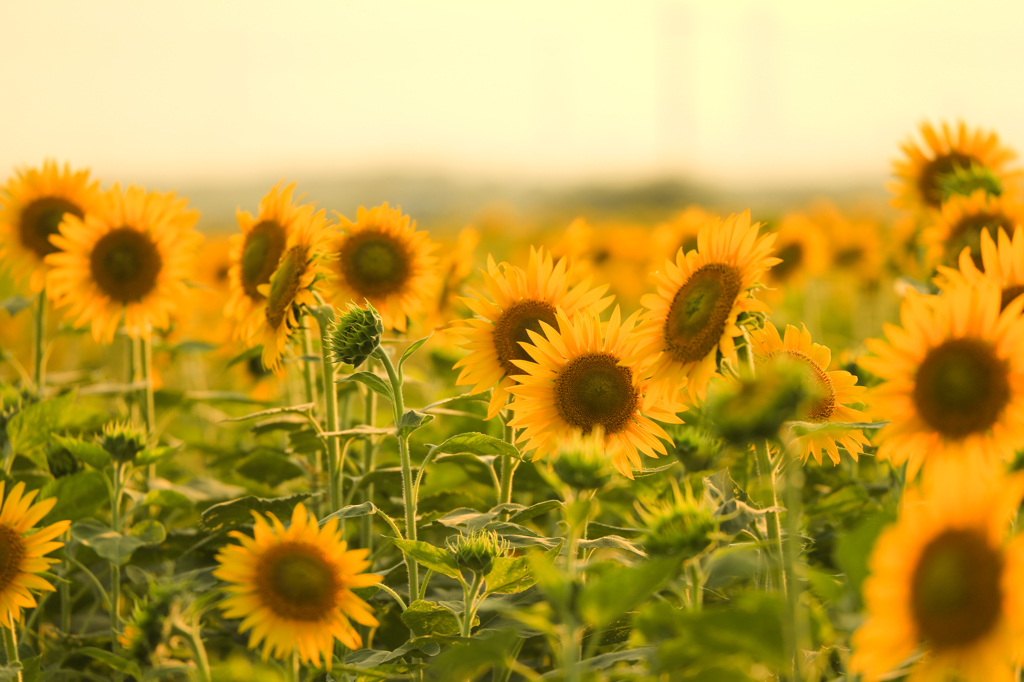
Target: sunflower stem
x,y
40,343
769,500
334,491
369,450
202,659
696,585
798,635
469,594
11,642
115,569
508,467
65,588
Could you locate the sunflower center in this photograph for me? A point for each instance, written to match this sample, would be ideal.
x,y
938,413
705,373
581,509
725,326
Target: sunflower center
x,y
967,232
700,310
374,263
125,264
42,218
792,256
928,182
512,327
594,390
263,247
296,581
955,593
962,388
1010,294
12,551
818,384
848,257
688,244
285,284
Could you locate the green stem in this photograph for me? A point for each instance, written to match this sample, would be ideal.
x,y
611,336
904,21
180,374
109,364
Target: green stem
x,y
147,379
64,589
309,371
469,604
369,450
334,491
798,631
696,586
394,595
508,468
11,642
503,672
202,659
40,350
766,472
115,569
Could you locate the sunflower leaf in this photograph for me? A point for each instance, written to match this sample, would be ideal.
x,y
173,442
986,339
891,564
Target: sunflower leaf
x,y
479,444
510,575
372,382
413,420
300,409
14,304
238,512
90,453
434,558
113,660
78,495
352,511
413,347
430,618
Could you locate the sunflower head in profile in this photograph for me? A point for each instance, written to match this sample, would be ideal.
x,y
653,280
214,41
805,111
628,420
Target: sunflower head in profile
x,y
1002,264
257,250
945,582
924,176
32,206
695,314
834,393
130,256
586,374
962,222
293,587
520,300
299,272
23,550
953,379
383,259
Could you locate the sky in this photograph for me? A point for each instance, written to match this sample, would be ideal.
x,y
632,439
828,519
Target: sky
x,y
727,92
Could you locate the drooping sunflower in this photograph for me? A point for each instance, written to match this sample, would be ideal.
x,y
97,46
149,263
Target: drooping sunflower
x,y
953,379
293,587
583,375
32,206
920,174
257,250
23,551
945,581
291,286
694,315
838,390
382,258
131,255
520,300
1003,265
962,221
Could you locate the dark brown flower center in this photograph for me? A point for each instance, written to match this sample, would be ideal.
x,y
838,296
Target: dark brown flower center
x,y
967,232
955,591
261,251
42,218
12,552
511,329
1010,294
375,263
125,264
848,257
819,409
700,310
594,390
296,581
962,387
928,182
792,256
284,285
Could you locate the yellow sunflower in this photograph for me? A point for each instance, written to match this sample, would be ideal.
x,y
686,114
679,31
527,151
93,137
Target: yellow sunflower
x,y
520,301
456,268
131,256
838,390
291,286
1002,264
583,375
256,252
23,552
617,253
945,581
32,206
293,587
678,233
953,379
918,183
802,249
962,221
693,317
382,258
854,242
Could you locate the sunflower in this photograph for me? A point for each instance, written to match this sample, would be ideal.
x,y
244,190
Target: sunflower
x,y
837,390
802,249
293,587
920,174
678,233
520,301
962,221
456,268
256,253
583,375
23,556
617,253
32,206
1002,264
131,255
694,315
945,581
953,379
291,285
382,258
855,242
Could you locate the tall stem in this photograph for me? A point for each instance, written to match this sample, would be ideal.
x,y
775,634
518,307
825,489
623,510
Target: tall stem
x,y
766,473
369,450
115,569
40,340
508,468
334,492
147,378
65,589
469,604
308,370
11,642
797,629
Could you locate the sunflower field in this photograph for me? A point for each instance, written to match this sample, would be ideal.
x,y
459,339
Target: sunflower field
x,y
331,443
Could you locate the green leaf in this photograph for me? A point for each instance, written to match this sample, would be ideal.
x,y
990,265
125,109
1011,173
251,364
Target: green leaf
x,y
733,516
608,660
246,355
158,454
612,542
535,510
854,548
269,467
91,453
113,660
479,444
413,420
12,671
14,304
32,427
612,594
413,347
429,618
194,347
167,498
238,512
844,502
437,560
352,511
300,409
115,547
150,532
78,495
468,658
509,575
373,382
285,422
656,470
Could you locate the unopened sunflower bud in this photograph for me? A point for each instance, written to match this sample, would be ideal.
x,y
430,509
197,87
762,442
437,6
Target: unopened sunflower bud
x,y
694,447
477,551
123,441
356,335
60,461
581,462
684,527
966,181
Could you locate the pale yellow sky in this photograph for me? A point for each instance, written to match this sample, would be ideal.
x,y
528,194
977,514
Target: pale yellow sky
x,y
722,91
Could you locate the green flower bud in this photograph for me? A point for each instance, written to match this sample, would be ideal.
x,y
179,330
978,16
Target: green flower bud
x,y
356,335
477,551
60,461
581,462
123,441
684,527
694,447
